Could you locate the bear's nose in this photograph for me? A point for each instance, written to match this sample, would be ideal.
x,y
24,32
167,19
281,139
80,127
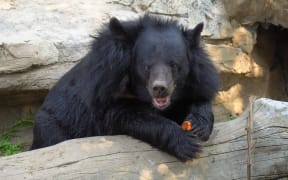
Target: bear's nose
x,y
160,89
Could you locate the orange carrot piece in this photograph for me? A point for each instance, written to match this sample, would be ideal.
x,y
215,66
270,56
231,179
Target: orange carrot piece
x,y
186,126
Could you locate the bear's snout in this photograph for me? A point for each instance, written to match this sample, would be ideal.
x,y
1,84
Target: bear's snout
x,y
160,89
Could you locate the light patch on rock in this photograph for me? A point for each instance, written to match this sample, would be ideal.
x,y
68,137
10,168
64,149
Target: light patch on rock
x,y
244,39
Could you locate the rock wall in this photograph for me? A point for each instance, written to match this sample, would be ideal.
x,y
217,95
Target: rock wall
x,y
40,40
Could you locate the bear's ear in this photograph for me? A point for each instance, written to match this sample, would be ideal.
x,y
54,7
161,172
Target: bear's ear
x,y
193,36
117,29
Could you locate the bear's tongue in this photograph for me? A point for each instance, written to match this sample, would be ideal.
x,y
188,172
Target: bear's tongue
x,y
161,101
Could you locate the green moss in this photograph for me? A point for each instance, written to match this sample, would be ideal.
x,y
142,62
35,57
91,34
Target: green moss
x,y
8,148
232,117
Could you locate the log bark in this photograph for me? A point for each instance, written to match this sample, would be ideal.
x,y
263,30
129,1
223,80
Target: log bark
x,y
224,156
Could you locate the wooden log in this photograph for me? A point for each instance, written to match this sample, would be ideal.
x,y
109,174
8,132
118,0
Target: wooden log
x,y
224,156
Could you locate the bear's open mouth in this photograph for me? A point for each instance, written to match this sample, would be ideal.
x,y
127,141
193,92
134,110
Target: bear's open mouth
x,y
161,103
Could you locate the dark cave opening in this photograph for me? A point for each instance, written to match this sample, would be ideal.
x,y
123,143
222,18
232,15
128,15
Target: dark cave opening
x,y
272,47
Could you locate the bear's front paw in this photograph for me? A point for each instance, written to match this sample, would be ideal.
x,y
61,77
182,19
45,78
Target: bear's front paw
x,y
202,131
183,146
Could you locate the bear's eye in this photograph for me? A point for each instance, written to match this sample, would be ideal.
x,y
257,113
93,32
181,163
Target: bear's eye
x,y
146,68
174,66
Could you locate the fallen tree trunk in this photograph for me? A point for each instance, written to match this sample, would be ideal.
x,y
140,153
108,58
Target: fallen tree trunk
x,y
121,157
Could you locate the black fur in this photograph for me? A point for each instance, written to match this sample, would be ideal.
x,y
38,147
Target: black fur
x,y
106,93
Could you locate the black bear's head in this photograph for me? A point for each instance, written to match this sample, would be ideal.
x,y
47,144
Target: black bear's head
x,y
161,64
